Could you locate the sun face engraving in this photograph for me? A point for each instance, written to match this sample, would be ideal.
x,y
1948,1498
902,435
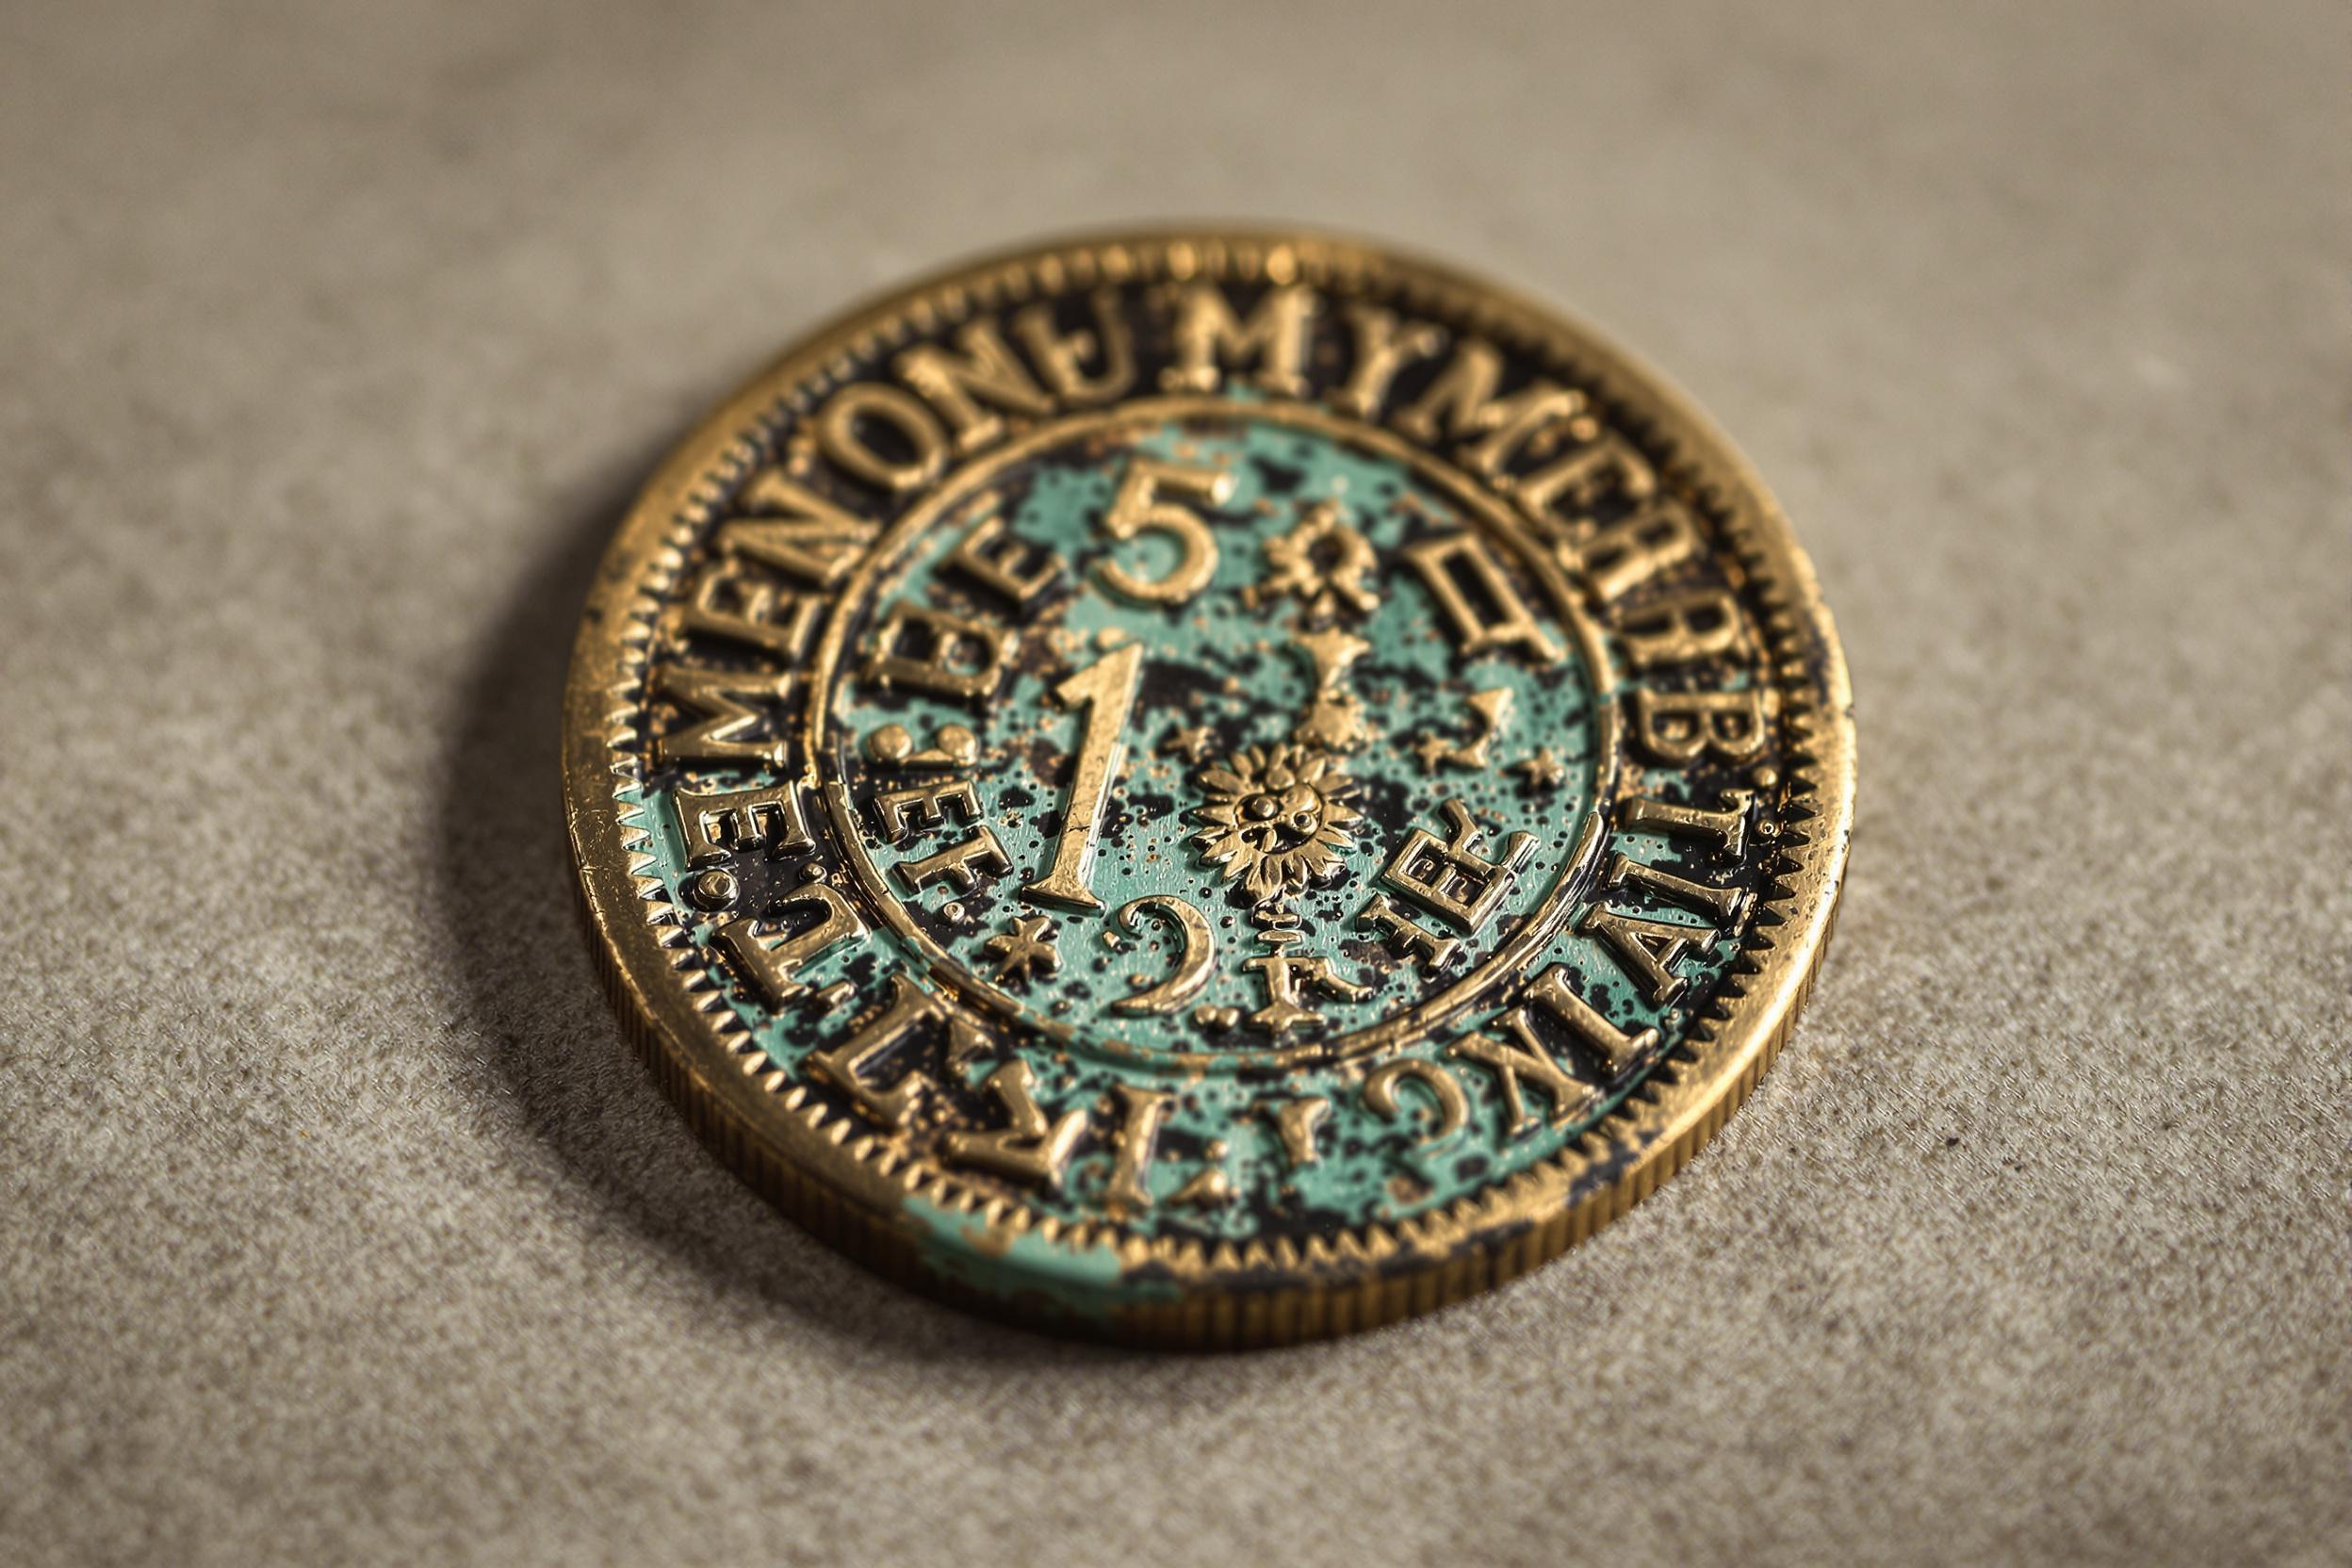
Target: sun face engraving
x,y
1278,818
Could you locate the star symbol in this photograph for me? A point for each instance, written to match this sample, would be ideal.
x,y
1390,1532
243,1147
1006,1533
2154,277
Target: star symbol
x,y
1543,771
1027,949
1191,744
1434,749
1332,651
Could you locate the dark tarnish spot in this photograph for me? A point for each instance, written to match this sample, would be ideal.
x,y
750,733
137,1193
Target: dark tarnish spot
x,y
1277,478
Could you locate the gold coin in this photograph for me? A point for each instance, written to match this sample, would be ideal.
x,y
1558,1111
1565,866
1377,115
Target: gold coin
x,y
1207,789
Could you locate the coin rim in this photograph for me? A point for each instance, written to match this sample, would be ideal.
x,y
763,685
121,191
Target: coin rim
x,y
851,1191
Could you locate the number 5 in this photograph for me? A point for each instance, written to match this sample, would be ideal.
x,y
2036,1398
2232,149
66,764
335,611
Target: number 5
x,y
1139,509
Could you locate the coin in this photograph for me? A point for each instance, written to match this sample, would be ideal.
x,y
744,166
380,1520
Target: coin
x,y
1207,789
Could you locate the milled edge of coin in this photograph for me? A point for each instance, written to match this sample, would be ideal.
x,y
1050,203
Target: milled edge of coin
x,y
851,1192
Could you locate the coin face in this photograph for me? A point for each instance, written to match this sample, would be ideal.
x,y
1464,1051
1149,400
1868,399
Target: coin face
x,y
1207,789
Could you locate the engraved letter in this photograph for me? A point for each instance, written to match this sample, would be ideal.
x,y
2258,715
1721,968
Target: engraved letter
x,y
1550,996
796,530
1678,727
1499,619
842,439
846,1065
993,559
955,657
726,601
960,865
1464,393
1644,949
1382,349
1625,555
1453,1106
1028,1150
721,701
1061,356
772,969
1681,628
1208,338
986,372
717,823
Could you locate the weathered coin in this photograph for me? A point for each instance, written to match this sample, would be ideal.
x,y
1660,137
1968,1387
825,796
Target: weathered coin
x,y
1207,789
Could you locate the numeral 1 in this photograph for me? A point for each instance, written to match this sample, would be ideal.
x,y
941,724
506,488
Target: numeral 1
x,y
1106,690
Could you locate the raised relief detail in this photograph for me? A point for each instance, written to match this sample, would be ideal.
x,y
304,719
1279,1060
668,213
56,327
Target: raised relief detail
x,y
1139,507
1323,564
1026,950
1194,968
1491,712
1447,877
1276,817
1104,693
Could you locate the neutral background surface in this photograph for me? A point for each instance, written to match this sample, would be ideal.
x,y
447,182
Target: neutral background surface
x,y
336,1225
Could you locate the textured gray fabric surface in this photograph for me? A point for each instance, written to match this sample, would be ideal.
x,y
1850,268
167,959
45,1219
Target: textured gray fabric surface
x,y
335,1225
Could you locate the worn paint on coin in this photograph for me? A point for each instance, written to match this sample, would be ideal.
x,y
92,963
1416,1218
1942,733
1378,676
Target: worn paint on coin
x,y
1209,790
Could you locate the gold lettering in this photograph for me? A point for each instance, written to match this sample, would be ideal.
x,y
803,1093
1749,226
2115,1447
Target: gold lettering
x,y
842,439
1448,878
1527,1060
954,655
1625,555
1587,475
773,970
1382,349
960,865
1062,355
846,1066
1678,727
806,536
728,704
1728,827
1644,949
1029,1148
1722,905
1421,944
1295,1123
1453,1106
714,824
1499,618
919,807
986,372
1550,996
726,601
1464,394
1209,339
1139,1131
1681,628
991,557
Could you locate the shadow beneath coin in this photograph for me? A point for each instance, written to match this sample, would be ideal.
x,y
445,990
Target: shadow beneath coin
x,y
560,1064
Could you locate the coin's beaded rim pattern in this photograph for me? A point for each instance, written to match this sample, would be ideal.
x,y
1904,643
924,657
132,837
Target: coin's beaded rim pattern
x,y
846,1186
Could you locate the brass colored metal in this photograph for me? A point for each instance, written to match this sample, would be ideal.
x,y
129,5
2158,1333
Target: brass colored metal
x,y
1207,789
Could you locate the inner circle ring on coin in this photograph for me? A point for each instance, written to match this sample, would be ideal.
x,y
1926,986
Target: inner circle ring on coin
x,y
1557,589
1430,1013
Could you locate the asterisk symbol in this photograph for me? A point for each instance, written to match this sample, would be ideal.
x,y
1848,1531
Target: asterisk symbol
x,y
1027,949
1543,771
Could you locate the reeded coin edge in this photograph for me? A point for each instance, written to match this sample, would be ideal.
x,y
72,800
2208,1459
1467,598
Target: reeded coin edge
x,y
852,1191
